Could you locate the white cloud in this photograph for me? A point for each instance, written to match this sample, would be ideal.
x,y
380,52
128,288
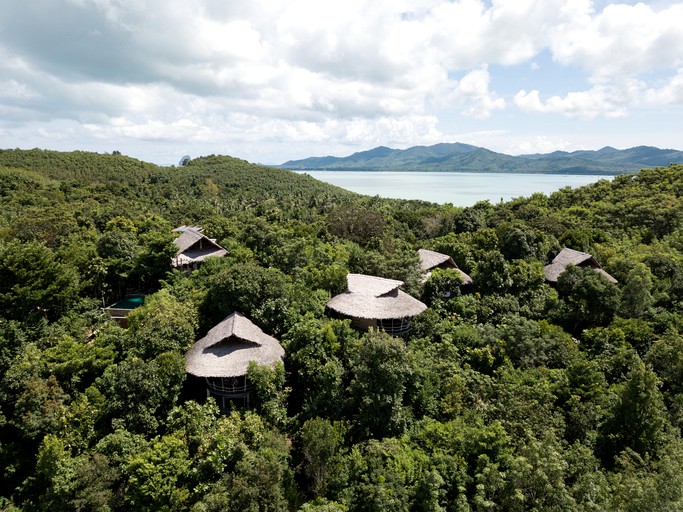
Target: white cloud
x,y
13,90
621,41
670,93
600,100
537,144
235,75
473,88
471,94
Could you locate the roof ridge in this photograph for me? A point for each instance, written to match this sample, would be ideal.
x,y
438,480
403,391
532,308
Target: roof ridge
x,y
375,286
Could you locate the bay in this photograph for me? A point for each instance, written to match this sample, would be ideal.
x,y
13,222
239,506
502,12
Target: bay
x,y
457,188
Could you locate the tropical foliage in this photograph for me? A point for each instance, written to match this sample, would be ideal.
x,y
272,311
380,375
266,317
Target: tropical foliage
x,y
510,394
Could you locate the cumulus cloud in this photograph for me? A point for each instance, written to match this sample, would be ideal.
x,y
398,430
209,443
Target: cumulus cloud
x,y
620,41
669,93
473,89
229,75
588,104
538,144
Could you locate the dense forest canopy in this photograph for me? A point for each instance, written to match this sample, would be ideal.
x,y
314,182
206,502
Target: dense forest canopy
x,y
509,394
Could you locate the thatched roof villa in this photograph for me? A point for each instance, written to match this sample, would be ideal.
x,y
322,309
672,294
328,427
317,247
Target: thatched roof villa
x,y
429,260
194,247
223,356
568,257
376,302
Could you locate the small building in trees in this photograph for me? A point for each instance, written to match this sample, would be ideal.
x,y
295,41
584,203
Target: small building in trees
x,y
222,357
568,257
193,248
429,260
376,302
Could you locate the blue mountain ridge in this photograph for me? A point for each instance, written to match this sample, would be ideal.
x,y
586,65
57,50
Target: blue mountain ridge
x,y
458,157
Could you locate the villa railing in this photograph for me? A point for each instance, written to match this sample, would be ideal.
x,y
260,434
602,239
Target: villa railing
x,y
231,388
399,327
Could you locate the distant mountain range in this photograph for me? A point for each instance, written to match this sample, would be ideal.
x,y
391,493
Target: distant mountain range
x,y
457,157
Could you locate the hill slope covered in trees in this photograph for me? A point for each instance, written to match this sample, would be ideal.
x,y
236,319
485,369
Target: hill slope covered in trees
x,y
458,157
511,395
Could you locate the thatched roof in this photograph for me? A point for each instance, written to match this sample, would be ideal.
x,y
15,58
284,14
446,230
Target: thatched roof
x,y
183,228
375,298
229,347
571,257
430,260
371,285
187,239
194,247
609,277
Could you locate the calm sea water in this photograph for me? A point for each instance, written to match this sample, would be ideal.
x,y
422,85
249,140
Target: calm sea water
x,y
460,189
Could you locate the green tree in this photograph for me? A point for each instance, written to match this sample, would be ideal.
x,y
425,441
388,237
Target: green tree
x,y
441,285
153,262
356,223
268,393
520,242
588,299
312,357
40,409
260,293
636,296
430,492
162,324
12,339
54,468
77,364
666,358
34,282
529,343
382,475
138,394
50,225
492,273
524,402
262,480
156,476
323,505
379,382
472,218
584,399
119,250
640,483
321,444
637,421
535,479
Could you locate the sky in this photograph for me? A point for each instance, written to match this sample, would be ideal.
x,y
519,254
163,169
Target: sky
x,y
275,80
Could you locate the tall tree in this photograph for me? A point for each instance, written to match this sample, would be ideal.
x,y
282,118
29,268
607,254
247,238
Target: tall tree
x,y
380,375
34,282
638,419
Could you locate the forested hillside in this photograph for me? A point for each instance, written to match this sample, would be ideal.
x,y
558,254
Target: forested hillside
x,y
458,157
511,394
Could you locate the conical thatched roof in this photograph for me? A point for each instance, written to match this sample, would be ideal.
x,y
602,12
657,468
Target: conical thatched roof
x,y
432,259
229,347
194,247
429,260
371,285
572,257
375,298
